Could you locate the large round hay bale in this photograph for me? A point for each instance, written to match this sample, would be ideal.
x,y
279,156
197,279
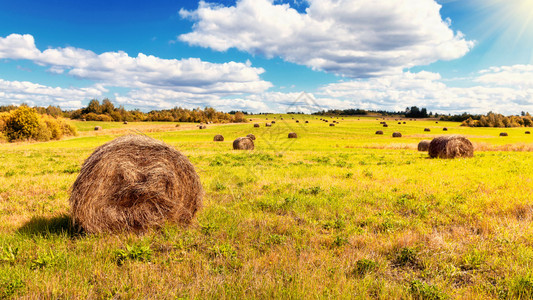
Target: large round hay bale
x,y
134,183
504,134
256,125
97,128
385,125
444,129
396,134
297,121
293,135
423,145
251,136
218,138
427,129
243,143
379,132
268,125
331,124
306,122
451,146
527,132
399,123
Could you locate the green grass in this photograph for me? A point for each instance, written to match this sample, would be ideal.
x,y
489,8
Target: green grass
x,y
337,213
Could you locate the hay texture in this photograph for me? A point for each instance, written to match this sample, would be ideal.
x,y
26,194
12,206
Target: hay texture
x,y
423,145
293,135
134,183
251,136
243,143
218,138
396,134
451,146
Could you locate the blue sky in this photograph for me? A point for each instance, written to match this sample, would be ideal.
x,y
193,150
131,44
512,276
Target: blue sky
x,y
450,56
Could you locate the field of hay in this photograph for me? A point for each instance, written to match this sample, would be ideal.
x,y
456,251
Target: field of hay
x,y
338,212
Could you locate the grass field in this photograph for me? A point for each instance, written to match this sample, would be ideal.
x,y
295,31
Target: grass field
x,y
337,213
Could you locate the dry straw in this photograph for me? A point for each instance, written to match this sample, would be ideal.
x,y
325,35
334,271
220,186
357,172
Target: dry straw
x,y
218,138
134,183
423,145
451,146
243,143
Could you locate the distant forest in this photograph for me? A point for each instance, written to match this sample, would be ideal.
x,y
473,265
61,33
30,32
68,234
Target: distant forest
x,y
410,112
107,111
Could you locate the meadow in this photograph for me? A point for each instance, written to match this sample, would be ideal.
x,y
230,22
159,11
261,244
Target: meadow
x,y
338,212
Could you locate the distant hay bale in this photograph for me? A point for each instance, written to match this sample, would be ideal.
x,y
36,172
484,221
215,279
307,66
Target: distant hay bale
x,y
268,125
379,132
444,129
527,132
251,136
203,127
399,123
450,146
273,122
504,134
256,125
405,122
297,121
306,122
293,135
436,122
396,134
125,122
331,124
250,120
218,138
243,143
423,145
97,128
134,183
385,125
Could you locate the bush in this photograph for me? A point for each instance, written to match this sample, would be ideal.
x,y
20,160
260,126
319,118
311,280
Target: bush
x,y
24,123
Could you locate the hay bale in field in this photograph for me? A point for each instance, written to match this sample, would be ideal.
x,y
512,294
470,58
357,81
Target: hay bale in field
x,y
293,135
405,122
423,145
503,134
379,132
399,123
256,125
436,122
331,124
243,143
527,132
297,121
385,125
251,136
451,146
125,122
134,183
268,125
273,122
203,127
97,128
396,134
218,138
444,129
427,129
306,122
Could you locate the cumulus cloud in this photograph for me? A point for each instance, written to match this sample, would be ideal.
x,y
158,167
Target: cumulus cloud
x,y
355,38
427,89
118,69
18,92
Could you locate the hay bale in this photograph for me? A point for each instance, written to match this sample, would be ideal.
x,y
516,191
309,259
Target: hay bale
x,y
293,135
427,129
379,132
396,134
451,146
306,122
331,124
273,122
503,134
436,122
385,125
218,138
243,143
399,123
203,127
134,183
297,121
97,128
268,125
405,122
527,132
125,122
444,129
423,145
256,125
251,136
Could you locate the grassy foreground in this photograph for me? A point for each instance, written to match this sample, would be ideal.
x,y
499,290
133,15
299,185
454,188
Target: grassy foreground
x,y
337,213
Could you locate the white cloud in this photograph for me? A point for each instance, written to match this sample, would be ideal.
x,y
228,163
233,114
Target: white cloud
x,y
118,69
18,92
356,38
426,89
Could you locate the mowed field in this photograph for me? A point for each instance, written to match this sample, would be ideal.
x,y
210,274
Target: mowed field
x,y
338,212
